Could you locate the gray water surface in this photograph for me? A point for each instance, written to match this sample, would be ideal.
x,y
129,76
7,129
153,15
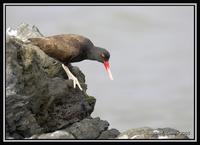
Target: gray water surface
x,y
152,55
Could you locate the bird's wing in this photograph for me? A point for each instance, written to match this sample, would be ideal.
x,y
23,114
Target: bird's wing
x,y
58,47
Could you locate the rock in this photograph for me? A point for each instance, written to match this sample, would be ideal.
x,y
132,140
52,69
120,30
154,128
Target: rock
x,y
39,96
181,136
137,133
88,128
109,134
23,32
60,134
149,133
167,131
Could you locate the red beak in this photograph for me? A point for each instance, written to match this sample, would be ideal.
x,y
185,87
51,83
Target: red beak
x,y
107,66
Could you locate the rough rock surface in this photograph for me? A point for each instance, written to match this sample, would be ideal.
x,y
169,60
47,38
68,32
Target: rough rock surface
x,y
88,128
39,97
149,133
109,134
60,134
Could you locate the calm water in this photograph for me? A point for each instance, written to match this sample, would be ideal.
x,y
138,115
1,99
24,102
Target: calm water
x,y
151,59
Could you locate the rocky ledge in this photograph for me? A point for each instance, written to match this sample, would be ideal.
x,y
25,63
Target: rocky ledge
x,y
150,133
41,103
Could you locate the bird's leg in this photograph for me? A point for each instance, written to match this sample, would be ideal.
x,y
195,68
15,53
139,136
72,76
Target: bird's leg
x,y
72,77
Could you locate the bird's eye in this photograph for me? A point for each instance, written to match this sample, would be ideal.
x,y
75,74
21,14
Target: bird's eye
x,y
102,55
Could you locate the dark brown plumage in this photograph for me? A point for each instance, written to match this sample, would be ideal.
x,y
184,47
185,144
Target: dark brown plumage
x,y
70,48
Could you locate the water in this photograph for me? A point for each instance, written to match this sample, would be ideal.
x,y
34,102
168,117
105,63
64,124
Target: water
x,y
151,59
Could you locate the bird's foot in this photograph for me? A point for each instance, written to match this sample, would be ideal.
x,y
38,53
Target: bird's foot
x,y
72,77
75,82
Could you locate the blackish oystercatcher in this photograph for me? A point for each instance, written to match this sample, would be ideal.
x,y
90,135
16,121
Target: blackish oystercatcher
x,y
69,48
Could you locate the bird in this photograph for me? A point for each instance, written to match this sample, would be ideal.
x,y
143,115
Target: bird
x,y
70,48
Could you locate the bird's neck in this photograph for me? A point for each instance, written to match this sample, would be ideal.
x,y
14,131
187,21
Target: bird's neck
x,y
94,54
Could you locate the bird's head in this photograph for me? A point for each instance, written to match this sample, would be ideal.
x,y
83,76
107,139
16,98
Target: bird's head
x,y
103,56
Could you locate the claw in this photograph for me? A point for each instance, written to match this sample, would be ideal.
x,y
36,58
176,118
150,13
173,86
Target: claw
x,y
72,77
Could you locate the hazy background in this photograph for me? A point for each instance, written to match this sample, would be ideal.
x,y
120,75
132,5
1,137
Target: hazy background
x,y
151,59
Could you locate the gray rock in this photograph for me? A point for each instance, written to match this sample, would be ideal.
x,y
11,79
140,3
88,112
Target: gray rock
x,y
88,128
39,96
109,134
137,133
101,124
149,133
181,136
24,31
60,134
168,131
